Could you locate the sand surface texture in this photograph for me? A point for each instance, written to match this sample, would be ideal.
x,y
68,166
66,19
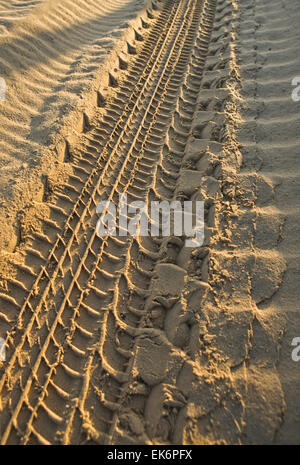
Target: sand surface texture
x,y
142,340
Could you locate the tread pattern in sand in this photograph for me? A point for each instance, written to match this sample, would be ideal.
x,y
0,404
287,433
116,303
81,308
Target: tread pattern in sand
x,y
87,307
142,340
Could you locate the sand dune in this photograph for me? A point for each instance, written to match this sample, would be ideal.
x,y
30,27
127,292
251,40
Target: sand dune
x,y
51,55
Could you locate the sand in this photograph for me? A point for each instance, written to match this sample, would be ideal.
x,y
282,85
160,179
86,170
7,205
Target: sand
x,y
55,57
142,340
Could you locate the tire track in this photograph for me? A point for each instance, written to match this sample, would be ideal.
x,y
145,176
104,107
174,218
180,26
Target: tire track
x,y
71,327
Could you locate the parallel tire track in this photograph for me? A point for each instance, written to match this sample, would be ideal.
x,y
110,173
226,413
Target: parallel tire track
x,y
72,345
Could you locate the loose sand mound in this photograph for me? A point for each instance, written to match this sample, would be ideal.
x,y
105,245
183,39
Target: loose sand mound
x,y
142,340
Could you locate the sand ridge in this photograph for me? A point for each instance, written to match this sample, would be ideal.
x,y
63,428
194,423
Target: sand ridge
x,y
142,340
